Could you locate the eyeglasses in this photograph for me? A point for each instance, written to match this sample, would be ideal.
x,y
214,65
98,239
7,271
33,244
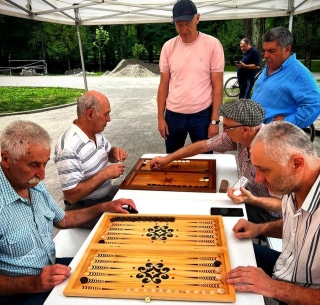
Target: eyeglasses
x,y
233,127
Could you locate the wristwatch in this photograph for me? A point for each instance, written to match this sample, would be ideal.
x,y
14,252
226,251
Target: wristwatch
x,y
214,122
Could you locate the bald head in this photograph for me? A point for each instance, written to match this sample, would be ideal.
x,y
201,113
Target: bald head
x,y
90,99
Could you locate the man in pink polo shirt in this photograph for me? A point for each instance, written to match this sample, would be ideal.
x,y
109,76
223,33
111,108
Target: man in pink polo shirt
x,y
191,85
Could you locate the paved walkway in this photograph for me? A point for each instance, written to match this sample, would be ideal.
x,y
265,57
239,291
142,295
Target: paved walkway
x,y
133,116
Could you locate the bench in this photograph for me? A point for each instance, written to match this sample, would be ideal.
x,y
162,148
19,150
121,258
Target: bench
x,y
69,241
275,243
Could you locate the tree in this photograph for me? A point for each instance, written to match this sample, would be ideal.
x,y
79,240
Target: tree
x,y
102,38
138,50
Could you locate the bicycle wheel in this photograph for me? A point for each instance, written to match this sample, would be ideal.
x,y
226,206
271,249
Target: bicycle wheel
x,y
231,87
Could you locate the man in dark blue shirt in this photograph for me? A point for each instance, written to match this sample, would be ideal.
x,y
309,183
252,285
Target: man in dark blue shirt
x,y
247,68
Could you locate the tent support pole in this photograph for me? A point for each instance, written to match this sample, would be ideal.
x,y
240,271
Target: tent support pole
x,y
80,48
291,11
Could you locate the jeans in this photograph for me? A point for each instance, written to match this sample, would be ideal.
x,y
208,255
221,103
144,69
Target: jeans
x,y
245,87
180,125
32,298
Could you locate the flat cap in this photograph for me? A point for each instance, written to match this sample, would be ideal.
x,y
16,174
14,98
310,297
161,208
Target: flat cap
x,y
246,112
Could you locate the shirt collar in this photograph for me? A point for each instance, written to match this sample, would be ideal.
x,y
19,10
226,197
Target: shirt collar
x,y
286,63
311,202
84,138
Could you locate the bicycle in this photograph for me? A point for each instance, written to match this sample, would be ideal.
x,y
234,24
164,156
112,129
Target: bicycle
x,y
231,87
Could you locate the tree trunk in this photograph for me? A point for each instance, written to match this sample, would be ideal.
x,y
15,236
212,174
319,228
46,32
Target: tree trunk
x,y
258,30
248,28
150,51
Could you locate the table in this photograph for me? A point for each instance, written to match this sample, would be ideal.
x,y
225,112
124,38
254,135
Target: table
x,y
191,203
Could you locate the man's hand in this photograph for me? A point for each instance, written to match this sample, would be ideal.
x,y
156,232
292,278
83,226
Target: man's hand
x,y
158,162
119,154
213,130
252,279
245,196
115,170
245,229
163,128
115,206
50,277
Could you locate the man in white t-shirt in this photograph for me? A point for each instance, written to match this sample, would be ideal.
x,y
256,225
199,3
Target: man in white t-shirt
x,y
191,85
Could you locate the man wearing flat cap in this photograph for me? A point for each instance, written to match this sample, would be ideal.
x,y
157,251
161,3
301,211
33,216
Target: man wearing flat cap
x,y
242,120
191,66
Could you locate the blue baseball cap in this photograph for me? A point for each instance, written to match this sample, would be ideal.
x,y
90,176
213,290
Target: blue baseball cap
x,y
184,10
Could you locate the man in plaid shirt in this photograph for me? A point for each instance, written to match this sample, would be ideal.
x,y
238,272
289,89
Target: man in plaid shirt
x,y
242,120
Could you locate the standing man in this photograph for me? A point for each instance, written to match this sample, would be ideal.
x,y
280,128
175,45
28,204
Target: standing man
x,y
82,155
287,164
191,84
29,268
247,68
286,89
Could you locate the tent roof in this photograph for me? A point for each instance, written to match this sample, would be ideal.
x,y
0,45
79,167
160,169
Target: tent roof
x,y
147,11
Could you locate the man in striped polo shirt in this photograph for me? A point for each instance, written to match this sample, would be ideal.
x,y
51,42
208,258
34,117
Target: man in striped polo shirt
x,y
82,155
287,164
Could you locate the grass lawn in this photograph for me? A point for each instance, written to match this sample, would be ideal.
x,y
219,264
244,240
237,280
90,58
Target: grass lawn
x,y
14,99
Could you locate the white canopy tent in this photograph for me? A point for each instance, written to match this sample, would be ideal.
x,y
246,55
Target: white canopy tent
x,y
99,12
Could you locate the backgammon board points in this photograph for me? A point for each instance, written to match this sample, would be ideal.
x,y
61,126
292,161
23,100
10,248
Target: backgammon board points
x,y
180,175
162,257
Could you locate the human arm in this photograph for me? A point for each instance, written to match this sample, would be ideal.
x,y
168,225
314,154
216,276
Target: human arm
x,y
217,85
187,151
117,154
163,90
247,66
266,203
245,229
76,218
49,277
255,280
86,187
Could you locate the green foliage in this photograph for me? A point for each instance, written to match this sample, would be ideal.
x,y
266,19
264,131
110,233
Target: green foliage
x,y
14,99
23,39
102,38
138,50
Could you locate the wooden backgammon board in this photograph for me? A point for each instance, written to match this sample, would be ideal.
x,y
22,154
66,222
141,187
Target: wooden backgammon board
x,y
186,175
155,257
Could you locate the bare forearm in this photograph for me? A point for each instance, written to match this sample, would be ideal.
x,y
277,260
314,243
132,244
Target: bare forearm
x,y
188,151
84,188
217,96
12,285
271,229
296,295
267,203
161,100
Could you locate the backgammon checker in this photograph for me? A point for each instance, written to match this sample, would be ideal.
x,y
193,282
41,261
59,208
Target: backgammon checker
x,y
186,175
149,257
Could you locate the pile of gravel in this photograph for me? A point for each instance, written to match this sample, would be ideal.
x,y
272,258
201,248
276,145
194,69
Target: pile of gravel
x,y
134,68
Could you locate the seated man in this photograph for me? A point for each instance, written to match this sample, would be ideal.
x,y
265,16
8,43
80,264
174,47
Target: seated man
x,y
286,89
287,164
28,266
242,121
82,155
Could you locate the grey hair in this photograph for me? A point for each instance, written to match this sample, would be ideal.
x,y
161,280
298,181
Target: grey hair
x,y
282,35
86,102
18,135
282,140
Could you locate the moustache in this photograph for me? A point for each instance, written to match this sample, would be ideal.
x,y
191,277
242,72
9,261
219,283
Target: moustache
x,y
34,180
